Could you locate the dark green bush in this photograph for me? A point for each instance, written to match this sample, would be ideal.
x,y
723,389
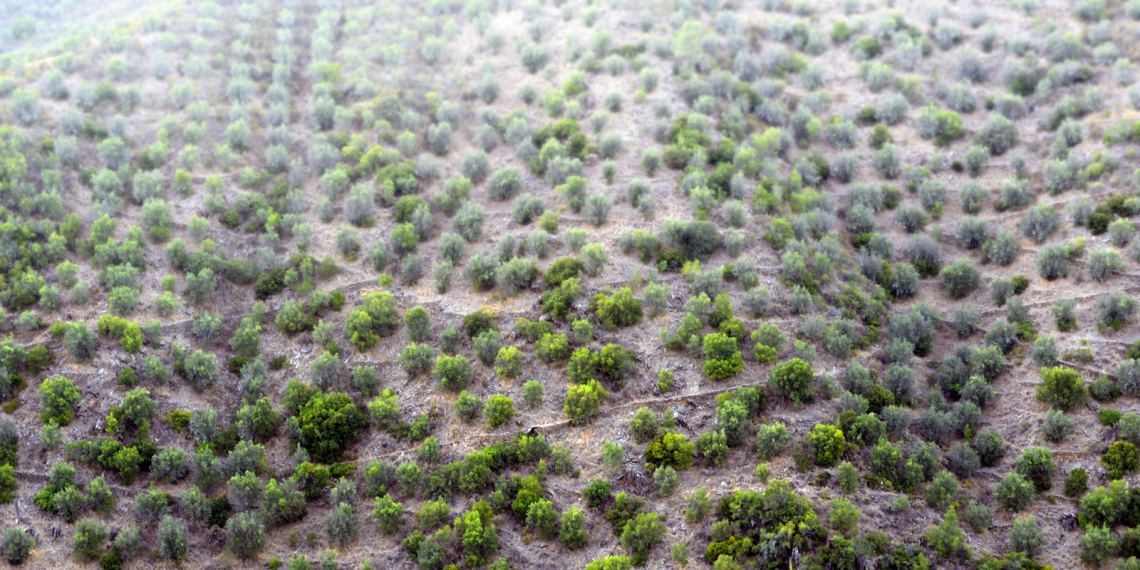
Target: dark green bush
x,y
499,410
487,346
90,536
669,449
328,423
583,401
794,380
453,371
58,398
867,47
1120,459
960,278
533,330
39,358
826,444
16,545
1076,483
1061,387
553,348
771,439
270,283
478,322
246,535
615,363
1036,464
697,240
618,310
1109,418
597,494
722,356
643,425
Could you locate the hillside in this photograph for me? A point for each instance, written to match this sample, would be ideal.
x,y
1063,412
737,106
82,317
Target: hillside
x,y
550,284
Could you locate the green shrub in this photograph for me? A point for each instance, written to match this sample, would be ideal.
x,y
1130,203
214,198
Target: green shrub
x,y
375,318
553,348
90,536
449,339
947,538
405,207
698,506
1014,492
643,425
582,367
200,369
388,514
880,136
499,410
611,563
978,516
128,377
68,503
583,401
508,363
1120,459
453,371
941,491
328,423
418,323
58,397
641,534
1061,387
542,518
1098,545
416,359
669,449
848,477
597,494
618,310
713,448
867,47
826,444
562,269
722,356
1076,483
960,278
1036,464
467,406
572,535
16,545
615,362
1109,418
771,439
844,517
99,495
533,331
533,393
173,539
39,358
794,380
